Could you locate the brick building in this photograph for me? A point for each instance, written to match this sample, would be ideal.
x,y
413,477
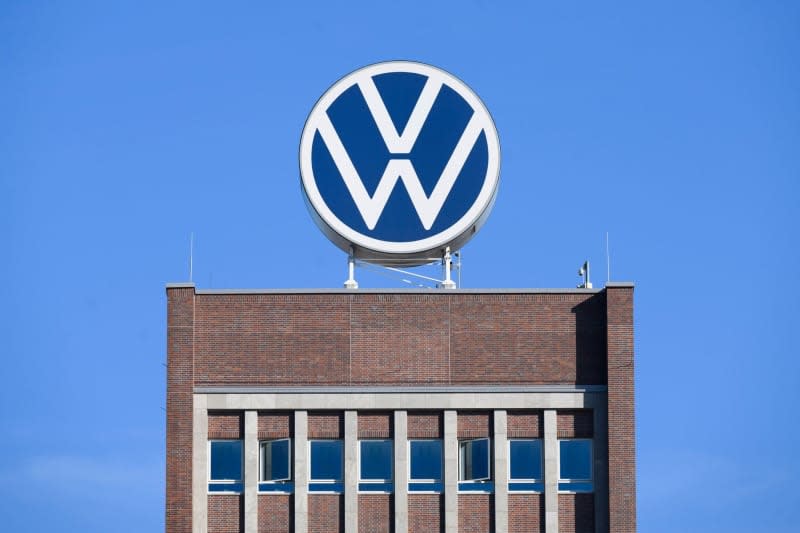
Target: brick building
x,y
400,410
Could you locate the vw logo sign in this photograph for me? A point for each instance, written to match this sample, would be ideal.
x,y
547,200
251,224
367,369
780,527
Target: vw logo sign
x,y
398,161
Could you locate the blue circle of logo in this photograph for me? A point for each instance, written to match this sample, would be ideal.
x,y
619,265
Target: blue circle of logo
x,y
399,159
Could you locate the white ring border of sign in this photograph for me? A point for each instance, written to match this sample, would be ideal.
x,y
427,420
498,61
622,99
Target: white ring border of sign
x,y
474,214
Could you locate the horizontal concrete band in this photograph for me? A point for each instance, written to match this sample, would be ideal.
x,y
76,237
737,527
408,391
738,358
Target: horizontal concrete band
x,y
372,389
405,401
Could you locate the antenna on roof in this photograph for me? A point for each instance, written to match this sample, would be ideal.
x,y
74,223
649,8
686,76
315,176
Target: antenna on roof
x,y
608,261
584,271
191,253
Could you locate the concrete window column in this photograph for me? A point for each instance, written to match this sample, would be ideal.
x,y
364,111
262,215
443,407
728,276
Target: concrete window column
x,y
400,472
351,472
450,471
550,471
200,464
250,471
500,472
301,471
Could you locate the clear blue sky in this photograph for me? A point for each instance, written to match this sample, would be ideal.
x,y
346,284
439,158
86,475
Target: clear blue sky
x,y
674,126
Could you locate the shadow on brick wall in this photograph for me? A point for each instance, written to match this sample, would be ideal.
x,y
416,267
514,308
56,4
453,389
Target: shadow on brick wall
x,y
590,341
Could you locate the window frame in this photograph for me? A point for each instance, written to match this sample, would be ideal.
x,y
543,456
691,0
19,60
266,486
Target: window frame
x,y
536,485
336,485
433,482
376,486
237,485
271,486
477,485
461,466
574,485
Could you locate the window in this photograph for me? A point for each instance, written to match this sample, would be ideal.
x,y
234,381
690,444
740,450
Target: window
x,y
575,465
425,466
225,466
275,466
525,465
375,466
474,469
326,466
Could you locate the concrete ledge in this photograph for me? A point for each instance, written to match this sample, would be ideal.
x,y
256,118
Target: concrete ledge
x,y
619,284
182,285
400,401
397,291
446,389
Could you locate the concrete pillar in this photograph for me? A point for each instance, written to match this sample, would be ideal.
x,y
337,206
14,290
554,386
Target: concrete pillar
x,y
550,471
500,472
200,464
351,472
450,472
600,470
400,472
301,471
250,471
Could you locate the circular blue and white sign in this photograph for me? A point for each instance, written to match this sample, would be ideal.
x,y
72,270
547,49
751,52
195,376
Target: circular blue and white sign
x,y
399,160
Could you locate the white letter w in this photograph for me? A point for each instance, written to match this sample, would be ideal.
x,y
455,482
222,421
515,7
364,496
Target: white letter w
x,y
371,207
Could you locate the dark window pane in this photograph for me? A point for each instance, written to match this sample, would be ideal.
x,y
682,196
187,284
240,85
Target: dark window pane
x,y
474,459
326,487
326,460
476,486
286,488
526,487
576,459
425,487
224,487
226,460
426,459
376,459
376,487
275,460
526,459
576,487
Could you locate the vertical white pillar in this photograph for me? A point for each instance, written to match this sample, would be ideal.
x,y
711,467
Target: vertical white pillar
x,y
450,472
550,471
200,464
351,472
600,467
400,472
250,471
301,471
500,472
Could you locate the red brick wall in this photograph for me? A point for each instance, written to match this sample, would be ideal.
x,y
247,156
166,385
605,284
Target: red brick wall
x,y
475,513
525,425
474,424
425,513
424,425
325,513
325,426
275,513
401,339
180,328
374,425
576,514
274,425
578,424
225,513
272,339
621,445
224,426
525,513
375,513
